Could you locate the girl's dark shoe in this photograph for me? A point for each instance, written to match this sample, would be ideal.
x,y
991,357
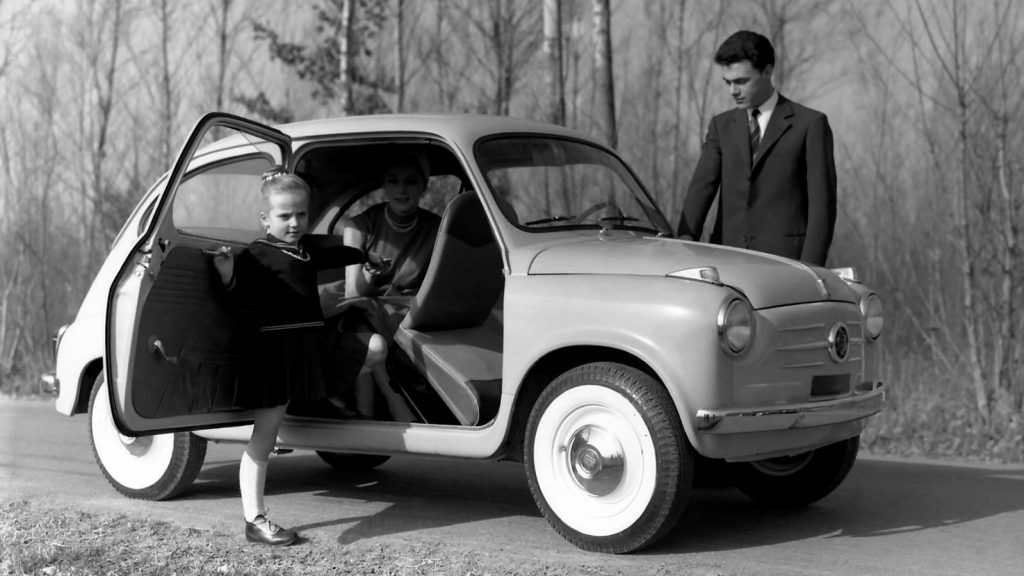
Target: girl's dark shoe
x,y
264,531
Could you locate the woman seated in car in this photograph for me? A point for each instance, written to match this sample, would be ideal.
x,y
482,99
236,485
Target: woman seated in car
x,y
397,237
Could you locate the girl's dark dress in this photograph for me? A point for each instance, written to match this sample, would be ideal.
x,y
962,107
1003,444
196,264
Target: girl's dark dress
x,y
275,285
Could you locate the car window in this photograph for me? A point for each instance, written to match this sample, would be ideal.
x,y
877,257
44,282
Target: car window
x,y
440,191
222,200
544,183
347,178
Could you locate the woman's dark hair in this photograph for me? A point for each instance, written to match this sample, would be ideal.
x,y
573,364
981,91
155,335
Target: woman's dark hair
x,y
746,45
408,157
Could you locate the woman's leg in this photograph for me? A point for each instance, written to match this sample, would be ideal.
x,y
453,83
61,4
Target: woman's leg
x,y
376,352
377,373
396,404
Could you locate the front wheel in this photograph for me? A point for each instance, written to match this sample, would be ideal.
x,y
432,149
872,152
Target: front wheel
x,y
794,481
606,459
154,467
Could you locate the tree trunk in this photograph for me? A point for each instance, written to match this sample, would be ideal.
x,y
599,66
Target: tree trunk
x,y
167,98
962,224
399,55
555,105
103,83
1006,344
345,57
603,73
223,54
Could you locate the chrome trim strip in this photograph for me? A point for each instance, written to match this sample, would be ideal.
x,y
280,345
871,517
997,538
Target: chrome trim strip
x,y
793,416
805,365
807,346
798,328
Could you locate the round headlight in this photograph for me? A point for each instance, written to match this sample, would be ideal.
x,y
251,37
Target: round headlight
x,y
736,326
874,320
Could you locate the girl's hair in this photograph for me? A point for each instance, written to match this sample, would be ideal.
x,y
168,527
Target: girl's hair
x,y
407,157
277,180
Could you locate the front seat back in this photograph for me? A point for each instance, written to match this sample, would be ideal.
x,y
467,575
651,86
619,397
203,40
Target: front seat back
x,y
465,277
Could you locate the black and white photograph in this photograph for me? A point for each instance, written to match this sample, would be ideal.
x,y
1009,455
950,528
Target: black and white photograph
x,y
511,287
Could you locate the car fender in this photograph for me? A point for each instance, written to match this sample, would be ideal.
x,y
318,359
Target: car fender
x,y
669,324
80,347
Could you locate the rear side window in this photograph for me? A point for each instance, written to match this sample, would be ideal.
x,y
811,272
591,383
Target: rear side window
x,y
223,200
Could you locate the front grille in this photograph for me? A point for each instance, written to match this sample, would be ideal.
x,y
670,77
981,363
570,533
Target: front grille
x,y
806,345
795,364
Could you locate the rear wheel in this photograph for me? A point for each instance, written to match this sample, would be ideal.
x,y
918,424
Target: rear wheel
x,y
155,467
606,459
346,462
798,480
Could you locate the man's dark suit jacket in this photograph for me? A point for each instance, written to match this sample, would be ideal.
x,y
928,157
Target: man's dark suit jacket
x,y
784,202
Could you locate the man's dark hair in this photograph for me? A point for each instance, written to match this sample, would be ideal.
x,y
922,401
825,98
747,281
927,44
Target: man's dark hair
x,y
746,45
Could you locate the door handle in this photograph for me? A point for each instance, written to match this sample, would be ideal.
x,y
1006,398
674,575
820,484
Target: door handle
x,y
158,348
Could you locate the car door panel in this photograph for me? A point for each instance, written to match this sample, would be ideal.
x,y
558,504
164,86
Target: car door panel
x,y
174,342
189,343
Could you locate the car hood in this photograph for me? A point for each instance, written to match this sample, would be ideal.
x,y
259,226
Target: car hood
x,y
766,280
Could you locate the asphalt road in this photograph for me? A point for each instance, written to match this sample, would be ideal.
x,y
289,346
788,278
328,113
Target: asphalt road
x,y
889,517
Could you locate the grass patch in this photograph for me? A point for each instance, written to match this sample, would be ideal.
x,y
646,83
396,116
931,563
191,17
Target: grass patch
x,y
36,539
932,414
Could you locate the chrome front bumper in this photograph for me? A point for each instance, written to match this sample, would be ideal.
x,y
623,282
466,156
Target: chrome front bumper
x,y
793,416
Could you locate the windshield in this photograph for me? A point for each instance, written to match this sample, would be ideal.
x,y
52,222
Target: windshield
x,y
549,183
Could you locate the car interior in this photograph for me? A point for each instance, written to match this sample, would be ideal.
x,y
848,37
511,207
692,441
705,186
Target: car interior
x,y
446,357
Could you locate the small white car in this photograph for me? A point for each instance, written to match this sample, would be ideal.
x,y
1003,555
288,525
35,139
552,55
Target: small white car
x,y
560,324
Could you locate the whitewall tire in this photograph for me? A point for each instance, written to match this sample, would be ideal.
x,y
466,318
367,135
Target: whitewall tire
x,y
155,467
606,458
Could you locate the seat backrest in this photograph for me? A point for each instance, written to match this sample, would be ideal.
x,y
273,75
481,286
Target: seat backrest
x,y
465,277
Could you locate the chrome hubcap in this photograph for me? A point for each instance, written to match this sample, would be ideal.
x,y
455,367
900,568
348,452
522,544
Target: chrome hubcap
x,y
596,460
136,445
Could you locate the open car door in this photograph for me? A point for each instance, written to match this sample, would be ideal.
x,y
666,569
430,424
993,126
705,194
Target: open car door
x,y
173,341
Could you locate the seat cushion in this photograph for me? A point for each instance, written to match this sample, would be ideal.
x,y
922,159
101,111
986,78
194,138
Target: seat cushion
x,y
458,363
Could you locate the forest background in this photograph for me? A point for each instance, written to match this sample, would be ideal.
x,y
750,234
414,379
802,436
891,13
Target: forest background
x,y
926,100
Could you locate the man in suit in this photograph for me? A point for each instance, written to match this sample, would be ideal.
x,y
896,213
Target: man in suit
x,y
771,160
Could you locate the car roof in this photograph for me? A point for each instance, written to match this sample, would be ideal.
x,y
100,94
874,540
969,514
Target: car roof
x,y
460,128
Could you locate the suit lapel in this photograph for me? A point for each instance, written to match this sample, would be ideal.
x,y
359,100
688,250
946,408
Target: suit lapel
x,y
778,124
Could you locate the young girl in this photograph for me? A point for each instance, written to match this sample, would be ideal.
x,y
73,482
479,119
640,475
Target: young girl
x,y
274,283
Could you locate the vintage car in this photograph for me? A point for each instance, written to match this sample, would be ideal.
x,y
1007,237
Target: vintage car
x,y
560,324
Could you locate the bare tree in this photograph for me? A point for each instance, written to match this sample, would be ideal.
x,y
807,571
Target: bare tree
x,y
604,73
345,56
958,71
801,31
168,99
400,51
502,36
101,46
555,92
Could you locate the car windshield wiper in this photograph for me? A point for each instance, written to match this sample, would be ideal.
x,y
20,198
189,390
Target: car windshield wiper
x,y
621,219
549,220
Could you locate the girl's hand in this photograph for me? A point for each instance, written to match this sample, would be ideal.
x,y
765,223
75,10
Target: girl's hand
x,y
224,262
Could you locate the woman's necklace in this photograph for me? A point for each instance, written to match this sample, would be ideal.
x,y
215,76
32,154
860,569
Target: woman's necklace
x,y
401,227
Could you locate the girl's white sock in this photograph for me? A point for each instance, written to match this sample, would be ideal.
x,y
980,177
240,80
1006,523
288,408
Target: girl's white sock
x,y
252,476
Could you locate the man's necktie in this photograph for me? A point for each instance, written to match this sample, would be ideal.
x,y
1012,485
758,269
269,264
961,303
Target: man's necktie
x,y
755,132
